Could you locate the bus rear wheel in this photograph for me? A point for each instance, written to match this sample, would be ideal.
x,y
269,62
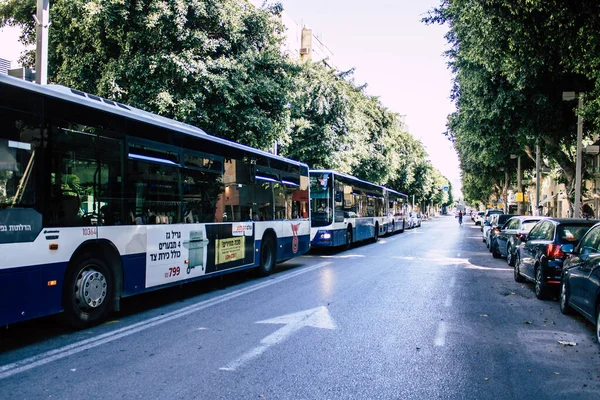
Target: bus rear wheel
x,y
349,238
267,256
87,293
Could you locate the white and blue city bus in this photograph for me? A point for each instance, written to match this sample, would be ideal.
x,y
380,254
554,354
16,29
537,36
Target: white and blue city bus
x,y
100,200
345,209
397,210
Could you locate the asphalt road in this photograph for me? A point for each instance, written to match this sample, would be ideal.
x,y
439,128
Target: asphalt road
x,y
427,314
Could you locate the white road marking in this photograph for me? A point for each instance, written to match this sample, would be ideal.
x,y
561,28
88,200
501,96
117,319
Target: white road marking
x,y
440,336
74,348
487,268
317,318
448,302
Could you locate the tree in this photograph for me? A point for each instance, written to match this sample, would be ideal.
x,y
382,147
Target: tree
x,y
213,64
510,71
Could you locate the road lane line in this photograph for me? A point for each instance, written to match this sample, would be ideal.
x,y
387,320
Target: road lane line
x,y
448,302
440,335
74,348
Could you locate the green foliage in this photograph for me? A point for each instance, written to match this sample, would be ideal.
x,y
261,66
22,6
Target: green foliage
x,y
214,64
218,64
512,60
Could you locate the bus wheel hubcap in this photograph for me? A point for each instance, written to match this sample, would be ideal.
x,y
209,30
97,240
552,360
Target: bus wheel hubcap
x,y
91,289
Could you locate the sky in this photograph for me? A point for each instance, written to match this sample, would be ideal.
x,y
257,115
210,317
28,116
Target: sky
x,y
398,57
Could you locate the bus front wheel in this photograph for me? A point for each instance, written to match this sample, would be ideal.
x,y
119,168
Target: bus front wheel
x,y
87,293
267,256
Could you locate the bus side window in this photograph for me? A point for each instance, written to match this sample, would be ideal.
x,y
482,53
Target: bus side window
x,y
85,175
201,192
153,189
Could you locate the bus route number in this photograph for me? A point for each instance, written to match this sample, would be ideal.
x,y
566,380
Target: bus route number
x,y
174,271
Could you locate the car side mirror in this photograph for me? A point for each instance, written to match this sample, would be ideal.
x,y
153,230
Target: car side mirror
x,y
567,248
523,238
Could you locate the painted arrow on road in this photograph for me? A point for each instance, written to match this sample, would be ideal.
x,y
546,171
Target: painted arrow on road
x,y
316,317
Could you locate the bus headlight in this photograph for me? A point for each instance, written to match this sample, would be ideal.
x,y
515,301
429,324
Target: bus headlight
x,y
326,235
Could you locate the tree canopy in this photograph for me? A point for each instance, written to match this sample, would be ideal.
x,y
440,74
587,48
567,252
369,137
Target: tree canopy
x,y
511,63
218,64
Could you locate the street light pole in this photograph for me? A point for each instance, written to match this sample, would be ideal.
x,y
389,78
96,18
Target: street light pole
x,y
537,175
577,204
42,21
520,187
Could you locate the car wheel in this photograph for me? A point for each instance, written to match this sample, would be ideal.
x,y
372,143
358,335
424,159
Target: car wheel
x,y
598,325
510,258
541,290
495,250
517,271
565,308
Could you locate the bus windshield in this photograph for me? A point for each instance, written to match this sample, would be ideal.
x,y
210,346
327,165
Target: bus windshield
x,y
321,191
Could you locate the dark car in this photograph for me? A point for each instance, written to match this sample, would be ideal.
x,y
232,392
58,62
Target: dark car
x,y
580,287
507,239
496,223
540,256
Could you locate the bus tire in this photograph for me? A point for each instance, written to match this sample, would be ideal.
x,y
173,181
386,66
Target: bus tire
x,y
267,256
88,292
349,238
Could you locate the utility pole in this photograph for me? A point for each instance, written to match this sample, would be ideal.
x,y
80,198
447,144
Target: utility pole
x,y
537,175
42,22
520,187
577,204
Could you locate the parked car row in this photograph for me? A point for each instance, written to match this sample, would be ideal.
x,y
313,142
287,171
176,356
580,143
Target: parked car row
x,y
561,256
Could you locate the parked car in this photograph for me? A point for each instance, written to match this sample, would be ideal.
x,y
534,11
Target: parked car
x,y
507,239
487,223
415,219
540,256
497,222
487,216
580,283
485,227
479,217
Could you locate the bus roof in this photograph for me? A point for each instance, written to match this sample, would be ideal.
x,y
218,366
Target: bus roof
x,y
354,178
113,107
329,171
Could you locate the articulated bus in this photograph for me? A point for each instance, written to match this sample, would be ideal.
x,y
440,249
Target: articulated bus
x,y
345,209
397,210
100,200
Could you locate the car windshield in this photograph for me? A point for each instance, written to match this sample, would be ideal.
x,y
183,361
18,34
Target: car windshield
x,y
527,225
572,233
502,218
